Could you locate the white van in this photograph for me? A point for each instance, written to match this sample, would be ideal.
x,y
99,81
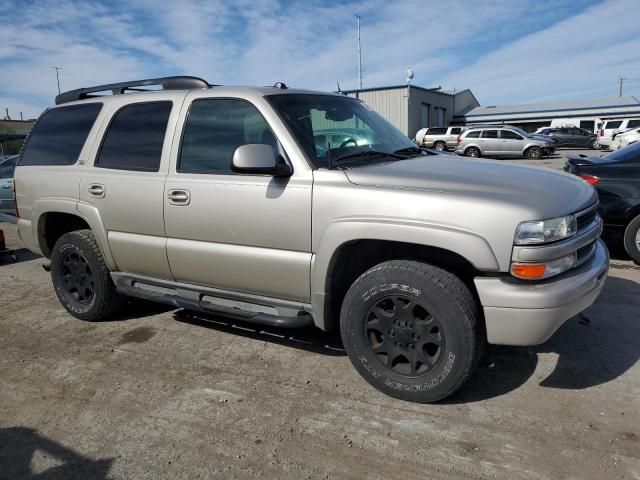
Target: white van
x,y
612,126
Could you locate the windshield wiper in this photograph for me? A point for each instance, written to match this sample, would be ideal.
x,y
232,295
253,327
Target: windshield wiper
x,y
410,151
371,153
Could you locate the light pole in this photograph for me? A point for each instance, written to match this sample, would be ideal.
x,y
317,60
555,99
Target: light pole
x,y
359,55
58,77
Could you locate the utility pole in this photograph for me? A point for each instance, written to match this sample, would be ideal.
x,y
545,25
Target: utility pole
x,y
621,80
58,77
359,56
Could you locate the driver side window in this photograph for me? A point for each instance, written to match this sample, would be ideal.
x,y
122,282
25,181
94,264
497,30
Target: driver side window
x,y
214,128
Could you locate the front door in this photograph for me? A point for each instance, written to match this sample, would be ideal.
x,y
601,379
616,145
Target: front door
x,y
125,183
510,143
236,232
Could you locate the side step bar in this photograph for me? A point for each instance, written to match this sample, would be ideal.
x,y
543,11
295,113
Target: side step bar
x,y
172,297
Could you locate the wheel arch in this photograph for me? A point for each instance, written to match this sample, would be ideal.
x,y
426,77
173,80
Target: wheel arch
x,y
343,257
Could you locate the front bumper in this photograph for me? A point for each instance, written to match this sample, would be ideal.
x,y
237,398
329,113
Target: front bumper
x,y
517,313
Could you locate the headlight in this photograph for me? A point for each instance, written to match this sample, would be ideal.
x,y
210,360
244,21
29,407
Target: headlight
x,y
539,271
545,231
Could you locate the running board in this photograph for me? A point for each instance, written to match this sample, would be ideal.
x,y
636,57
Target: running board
x,y
202,302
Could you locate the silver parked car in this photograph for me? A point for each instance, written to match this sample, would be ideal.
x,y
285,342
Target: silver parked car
x,y
499,141
438,138
225,200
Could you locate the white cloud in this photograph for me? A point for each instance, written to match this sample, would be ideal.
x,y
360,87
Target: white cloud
x,y
313,45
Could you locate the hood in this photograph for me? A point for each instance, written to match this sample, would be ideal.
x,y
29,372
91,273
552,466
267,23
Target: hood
x,y
548,192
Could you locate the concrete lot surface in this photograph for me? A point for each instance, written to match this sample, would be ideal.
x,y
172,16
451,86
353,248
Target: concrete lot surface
x,y
160,393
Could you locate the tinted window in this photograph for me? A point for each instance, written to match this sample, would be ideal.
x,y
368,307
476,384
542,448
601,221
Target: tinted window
x,y
510,135
456,131
474,134
611,124
59,134
633,123
7,167
490,134
436,131
215,128
135,136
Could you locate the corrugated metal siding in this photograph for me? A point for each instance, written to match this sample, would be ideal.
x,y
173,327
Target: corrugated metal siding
x,y
391,104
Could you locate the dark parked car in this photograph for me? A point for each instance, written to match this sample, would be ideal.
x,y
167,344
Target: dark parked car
x,y
616,177
571,137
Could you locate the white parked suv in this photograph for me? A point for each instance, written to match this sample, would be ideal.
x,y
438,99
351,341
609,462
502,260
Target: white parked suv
x,y
439,138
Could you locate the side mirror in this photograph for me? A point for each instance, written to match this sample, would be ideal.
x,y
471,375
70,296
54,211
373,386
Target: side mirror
x,y
260,159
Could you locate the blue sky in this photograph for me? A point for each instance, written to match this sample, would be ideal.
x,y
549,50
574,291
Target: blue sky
x,y
505,51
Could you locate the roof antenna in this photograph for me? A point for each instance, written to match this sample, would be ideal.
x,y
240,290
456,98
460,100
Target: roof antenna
x,y
339,91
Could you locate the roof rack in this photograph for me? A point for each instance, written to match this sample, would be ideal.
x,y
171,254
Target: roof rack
x,y
167,83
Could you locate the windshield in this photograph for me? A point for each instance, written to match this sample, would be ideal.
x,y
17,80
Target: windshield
x,y
333,128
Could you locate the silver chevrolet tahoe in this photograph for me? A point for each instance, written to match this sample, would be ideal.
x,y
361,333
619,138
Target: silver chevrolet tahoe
x,y
224,200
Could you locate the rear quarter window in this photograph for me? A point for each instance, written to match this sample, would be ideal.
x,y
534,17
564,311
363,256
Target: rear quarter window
x,y
436,131
59,135
474,134
633,123
615,124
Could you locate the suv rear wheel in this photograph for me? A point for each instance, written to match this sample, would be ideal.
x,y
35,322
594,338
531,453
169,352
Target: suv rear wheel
x,y
439,146
594,145
472,152
533,153
81,278
411,330
632,239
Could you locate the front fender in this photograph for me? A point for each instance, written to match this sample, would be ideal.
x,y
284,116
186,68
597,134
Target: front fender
x,y
467,244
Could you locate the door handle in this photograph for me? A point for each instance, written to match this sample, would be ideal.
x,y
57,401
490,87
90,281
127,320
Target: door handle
x,y
179,197
97,190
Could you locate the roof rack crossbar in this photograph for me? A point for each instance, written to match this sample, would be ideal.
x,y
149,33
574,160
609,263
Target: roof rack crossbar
x,y
167,83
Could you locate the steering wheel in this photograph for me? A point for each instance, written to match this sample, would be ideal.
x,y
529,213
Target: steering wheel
x,y
348,141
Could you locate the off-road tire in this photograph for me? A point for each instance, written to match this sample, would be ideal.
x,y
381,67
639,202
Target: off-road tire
x,y
440,146
448,302
81,247
472,152
533,153
631,239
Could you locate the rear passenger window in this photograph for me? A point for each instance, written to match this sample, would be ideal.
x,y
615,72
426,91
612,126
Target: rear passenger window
x,y
436,131
490,134
59,135
633,123
134,138
474,134
215,128
613,124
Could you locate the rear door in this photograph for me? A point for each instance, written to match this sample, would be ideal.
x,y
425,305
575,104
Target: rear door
x,y
125,180
452,139
490,142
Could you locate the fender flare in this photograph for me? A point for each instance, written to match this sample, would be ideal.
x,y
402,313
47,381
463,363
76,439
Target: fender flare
x,y
471,246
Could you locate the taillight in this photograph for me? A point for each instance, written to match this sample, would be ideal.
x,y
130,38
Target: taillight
x,y
602,132
590,179
459,139
15,199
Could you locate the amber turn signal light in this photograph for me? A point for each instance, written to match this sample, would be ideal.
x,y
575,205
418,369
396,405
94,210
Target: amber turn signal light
x,y
529,271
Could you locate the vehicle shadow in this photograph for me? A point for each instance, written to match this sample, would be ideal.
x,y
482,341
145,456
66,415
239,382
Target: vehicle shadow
x,y
19,444
593,348
310,339
9,257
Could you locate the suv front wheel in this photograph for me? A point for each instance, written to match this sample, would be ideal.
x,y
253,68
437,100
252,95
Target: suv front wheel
x,y
81,278
411,330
